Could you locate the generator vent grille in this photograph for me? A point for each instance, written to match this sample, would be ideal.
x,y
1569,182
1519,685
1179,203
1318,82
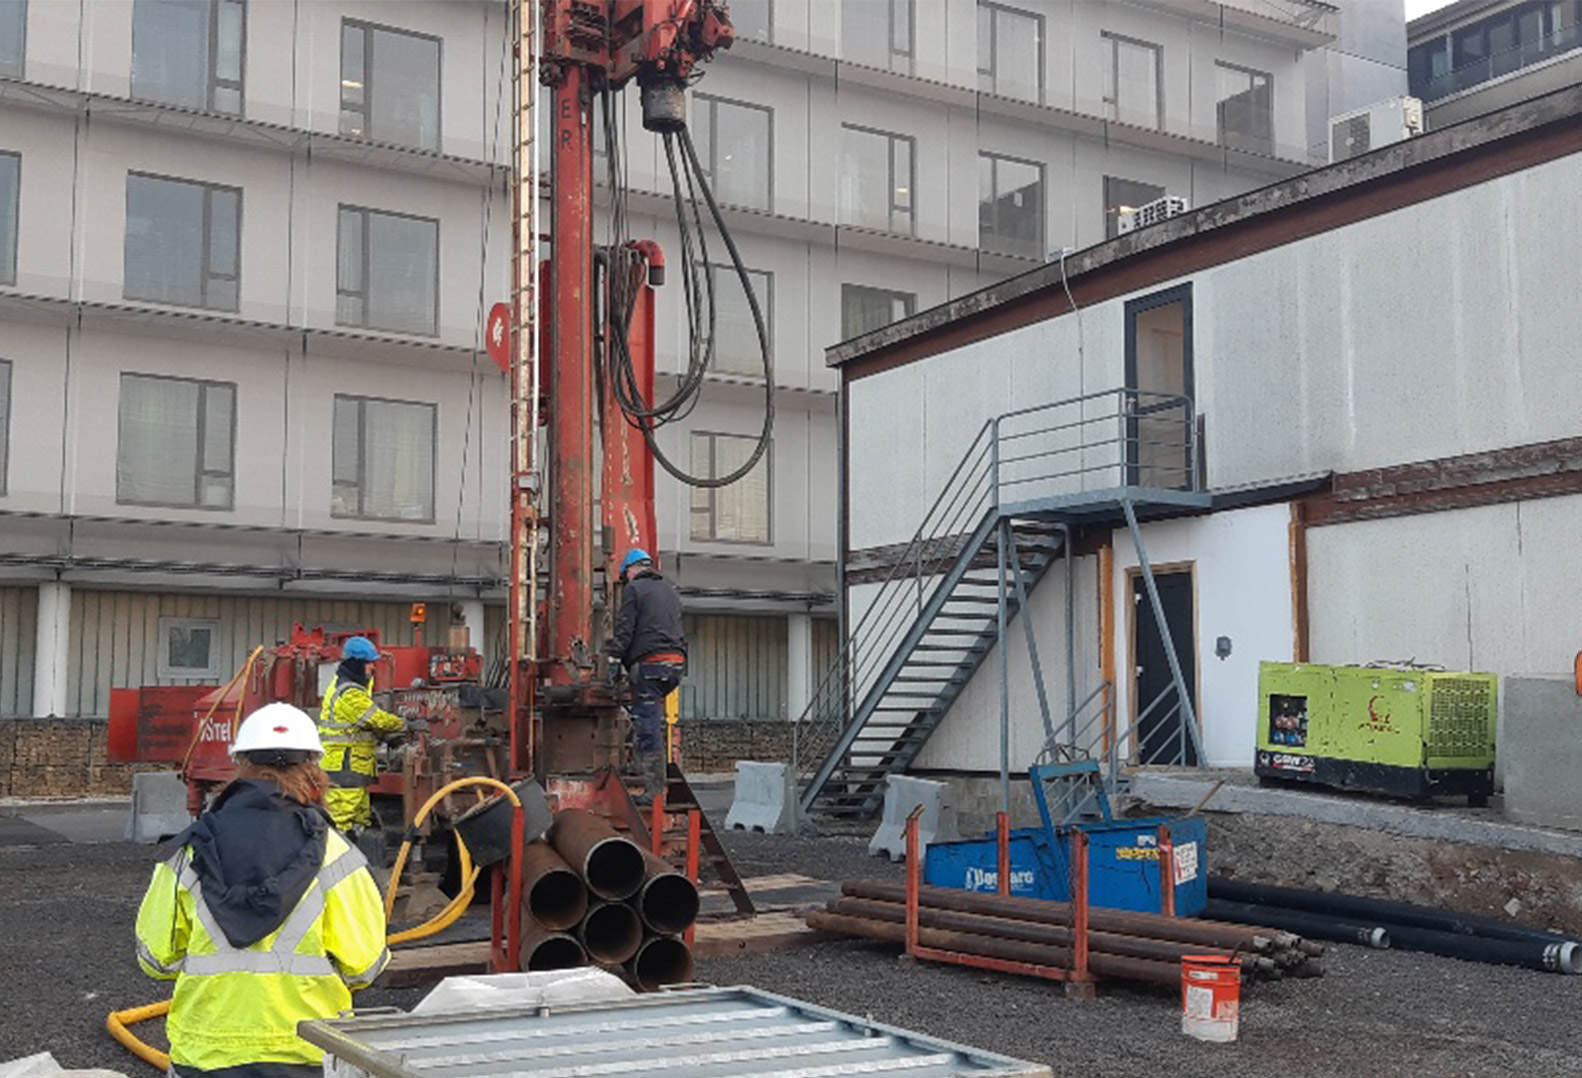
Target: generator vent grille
x,y
1460,716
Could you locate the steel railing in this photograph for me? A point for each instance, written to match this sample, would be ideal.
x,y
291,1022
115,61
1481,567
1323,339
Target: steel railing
x,y
1067,449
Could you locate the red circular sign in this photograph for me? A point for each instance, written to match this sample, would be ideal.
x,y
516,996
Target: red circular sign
x,y
497,336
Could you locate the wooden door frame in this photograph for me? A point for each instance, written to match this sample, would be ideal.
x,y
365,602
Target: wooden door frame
x,y
1133,572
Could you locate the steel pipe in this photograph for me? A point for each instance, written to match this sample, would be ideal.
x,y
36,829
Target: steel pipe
x,y
660,961
553,893
1376,911
1551,957
1317,925
1104,965
611,933
1147,925
668,901
611,866
1053,935
543,949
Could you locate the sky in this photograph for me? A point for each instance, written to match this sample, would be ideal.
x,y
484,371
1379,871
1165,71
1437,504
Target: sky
x,y
1414,8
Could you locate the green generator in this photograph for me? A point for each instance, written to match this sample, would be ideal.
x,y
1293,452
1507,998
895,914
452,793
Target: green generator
x,y
1406,732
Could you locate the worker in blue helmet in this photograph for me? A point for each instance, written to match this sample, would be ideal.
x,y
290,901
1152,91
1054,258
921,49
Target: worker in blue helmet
x,y
650,643
351,726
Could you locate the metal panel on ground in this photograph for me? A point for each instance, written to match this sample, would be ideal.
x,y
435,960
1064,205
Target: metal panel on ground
x,y
18,636
736,667
700,1033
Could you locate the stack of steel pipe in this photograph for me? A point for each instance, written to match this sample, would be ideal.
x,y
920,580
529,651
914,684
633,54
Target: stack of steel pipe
x,y
590,894
1121,944
1402,925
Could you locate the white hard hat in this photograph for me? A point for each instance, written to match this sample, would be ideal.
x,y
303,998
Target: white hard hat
x,y
278,727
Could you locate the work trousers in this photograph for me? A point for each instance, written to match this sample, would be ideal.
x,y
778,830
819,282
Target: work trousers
x,y
651,683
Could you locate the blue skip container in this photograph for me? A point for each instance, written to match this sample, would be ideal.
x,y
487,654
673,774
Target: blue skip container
x,y
1123,864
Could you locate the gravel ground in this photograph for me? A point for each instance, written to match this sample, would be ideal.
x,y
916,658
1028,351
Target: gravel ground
x,y
66,912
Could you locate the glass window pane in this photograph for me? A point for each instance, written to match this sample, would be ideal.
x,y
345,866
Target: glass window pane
x,y
865,179
752,19
1121,196
402,268
346,452
1019,51
10,193
1011,207
404,103
702,504
164,241
398,448
218,424
985,48
349,252
170,51
1136,83
736,348
224,226
188,646
901,27
865,32
741,510
865,309
228,37
13,36
157,455
741,155
901,176
5,420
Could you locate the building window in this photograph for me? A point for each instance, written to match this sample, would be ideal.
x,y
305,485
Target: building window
x,y
738,513
1159,375
183,242
735,143
1122,196
389,85
5,424
864,309
878,33
877,175
1509,40
753,20
1010,52
10,196
190,52
736,347
383,459
1010,206
177,442
1133,81
1245,110
387,272
1428,69
189,648
13,37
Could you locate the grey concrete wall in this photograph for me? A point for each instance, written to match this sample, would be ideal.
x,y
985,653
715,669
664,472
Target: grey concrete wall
x,y
1541,748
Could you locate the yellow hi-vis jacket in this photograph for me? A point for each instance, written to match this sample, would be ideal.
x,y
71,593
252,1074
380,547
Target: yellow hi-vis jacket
x,y
238,1006
350,726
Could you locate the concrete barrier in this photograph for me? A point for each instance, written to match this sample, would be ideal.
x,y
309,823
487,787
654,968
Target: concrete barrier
x,y
1541,750
766,799
901,796
159,806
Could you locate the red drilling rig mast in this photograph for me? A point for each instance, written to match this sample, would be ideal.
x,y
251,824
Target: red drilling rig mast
x,y
594,382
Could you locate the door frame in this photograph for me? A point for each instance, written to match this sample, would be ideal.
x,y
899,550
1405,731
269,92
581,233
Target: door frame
x,y
1133,573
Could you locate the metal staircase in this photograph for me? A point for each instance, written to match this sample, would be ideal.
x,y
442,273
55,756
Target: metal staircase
x,y
933,611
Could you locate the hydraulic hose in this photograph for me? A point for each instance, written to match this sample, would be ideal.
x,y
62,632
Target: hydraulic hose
x,y
197,734
118,1021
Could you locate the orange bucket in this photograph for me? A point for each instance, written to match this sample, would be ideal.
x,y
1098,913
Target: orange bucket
x,y
1210,997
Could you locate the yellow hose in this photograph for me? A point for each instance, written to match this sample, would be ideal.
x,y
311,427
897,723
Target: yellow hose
x,y
117,1021
197,735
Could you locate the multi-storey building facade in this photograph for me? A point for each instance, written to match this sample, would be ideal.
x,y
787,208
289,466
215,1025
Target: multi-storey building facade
x,y
1476,56
246,249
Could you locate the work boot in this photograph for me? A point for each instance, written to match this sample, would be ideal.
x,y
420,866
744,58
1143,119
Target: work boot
x,y
655,779
643,764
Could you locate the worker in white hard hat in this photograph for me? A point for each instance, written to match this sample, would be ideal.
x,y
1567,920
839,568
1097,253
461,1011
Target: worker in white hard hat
x,y
352,726
265,916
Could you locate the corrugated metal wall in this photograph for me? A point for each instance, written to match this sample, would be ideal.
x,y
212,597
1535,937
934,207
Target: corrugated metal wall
x,y
736,667
826,646
115,634
18,635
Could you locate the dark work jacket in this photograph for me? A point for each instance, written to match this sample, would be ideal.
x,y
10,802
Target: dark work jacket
x,y
255,852
649,620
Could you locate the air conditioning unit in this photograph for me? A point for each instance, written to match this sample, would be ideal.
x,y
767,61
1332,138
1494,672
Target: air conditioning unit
x,y
1129,220
1355,133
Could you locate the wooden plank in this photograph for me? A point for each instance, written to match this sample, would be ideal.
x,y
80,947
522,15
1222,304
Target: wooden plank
x,y
756,935
411,966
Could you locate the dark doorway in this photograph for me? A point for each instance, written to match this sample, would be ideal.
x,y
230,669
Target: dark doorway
x,y
1162,739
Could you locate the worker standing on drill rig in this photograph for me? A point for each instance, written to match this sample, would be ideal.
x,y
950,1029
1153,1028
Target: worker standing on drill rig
x,y
265,916
351,726
650,643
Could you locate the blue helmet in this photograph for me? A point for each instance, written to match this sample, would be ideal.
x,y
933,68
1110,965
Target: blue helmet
x,y
633,557
359,647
